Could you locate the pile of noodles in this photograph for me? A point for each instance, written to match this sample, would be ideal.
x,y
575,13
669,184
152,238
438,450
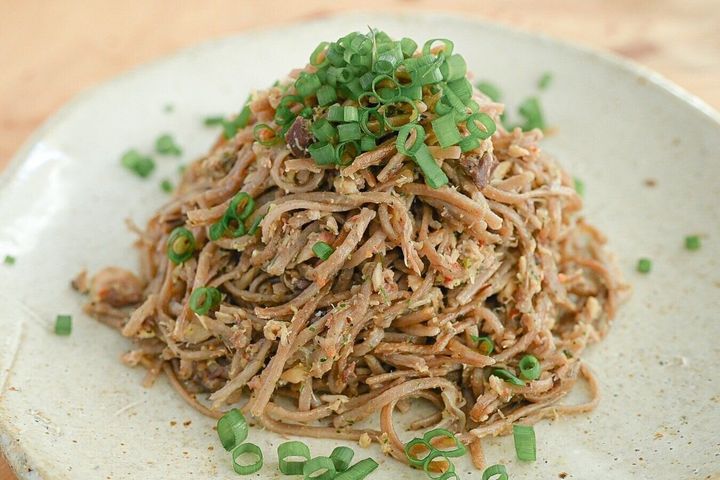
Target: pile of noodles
x,y
393,315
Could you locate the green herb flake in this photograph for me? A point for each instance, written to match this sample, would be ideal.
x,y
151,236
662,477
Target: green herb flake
x,y
644,265
545,81
213,121
490,90
9,260
165,145
692,242
142,166
579,186
166,186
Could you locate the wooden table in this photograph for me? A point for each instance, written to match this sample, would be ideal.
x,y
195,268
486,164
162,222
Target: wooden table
x,y
50,51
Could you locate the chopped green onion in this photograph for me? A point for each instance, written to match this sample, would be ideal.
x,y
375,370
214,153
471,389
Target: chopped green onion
x,y
545,80
341,457
247,449
454,68
411,448
367,143
232,428
402,138
166,185
458,449
485,120
529,367
524,437
256,223
385,88
315,56
447,46
338,113
322,250
359,471
213,121
323,131
63,325
165,145
492,91
408,47
345,152
319,468
644,265
374,127
142,166
446,130
469,143
438,456
349,131
292,449
323,153
326,95
307,84
180,245
241,198
493,470
434,176
530,110
9,260
217,230
579,186
508,376
203,299
692,242
485,344
260,133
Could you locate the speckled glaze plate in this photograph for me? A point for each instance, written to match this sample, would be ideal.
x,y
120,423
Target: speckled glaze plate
x,y
70,409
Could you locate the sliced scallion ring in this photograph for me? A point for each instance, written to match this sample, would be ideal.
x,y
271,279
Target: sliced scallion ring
x,y
445,442
529,367
247,449
341,457
495,472
402,138
203,299
508,376
232,428
319,468
180,245
414,448
292,457
485,120
525,445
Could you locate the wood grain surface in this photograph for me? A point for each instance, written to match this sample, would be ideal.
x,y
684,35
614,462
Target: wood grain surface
x,y
50,50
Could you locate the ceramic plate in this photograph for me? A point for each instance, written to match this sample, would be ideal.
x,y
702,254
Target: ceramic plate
x,y
70,409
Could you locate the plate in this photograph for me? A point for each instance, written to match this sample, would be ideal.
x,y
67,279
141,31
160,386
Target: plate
x,y
70,409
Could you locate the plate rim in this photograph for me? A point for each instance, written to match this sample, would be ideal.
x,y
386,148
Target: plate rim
x,y
14,455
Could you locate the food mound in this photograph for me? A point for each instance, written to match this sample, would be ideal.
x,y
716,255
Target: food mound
x,y
366,234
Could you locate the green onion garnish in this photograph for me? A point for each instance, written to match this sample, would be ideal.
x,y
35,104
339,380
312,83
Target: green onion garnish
x,y
166,186
579,186
349,131
341,458
359,471
404,133
644,265
529,367
415,446
241,198
203,299
692,242
300,454
483,119
524,437
142,166
441,457
434,176
165,145
493,470
256,223
9,260
545,81
180,245
492,91
63,325
319,468
247,449
213,121
457,450
446,130
322,250
265,135
485,344
232,428
531,112
508,376
323,153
